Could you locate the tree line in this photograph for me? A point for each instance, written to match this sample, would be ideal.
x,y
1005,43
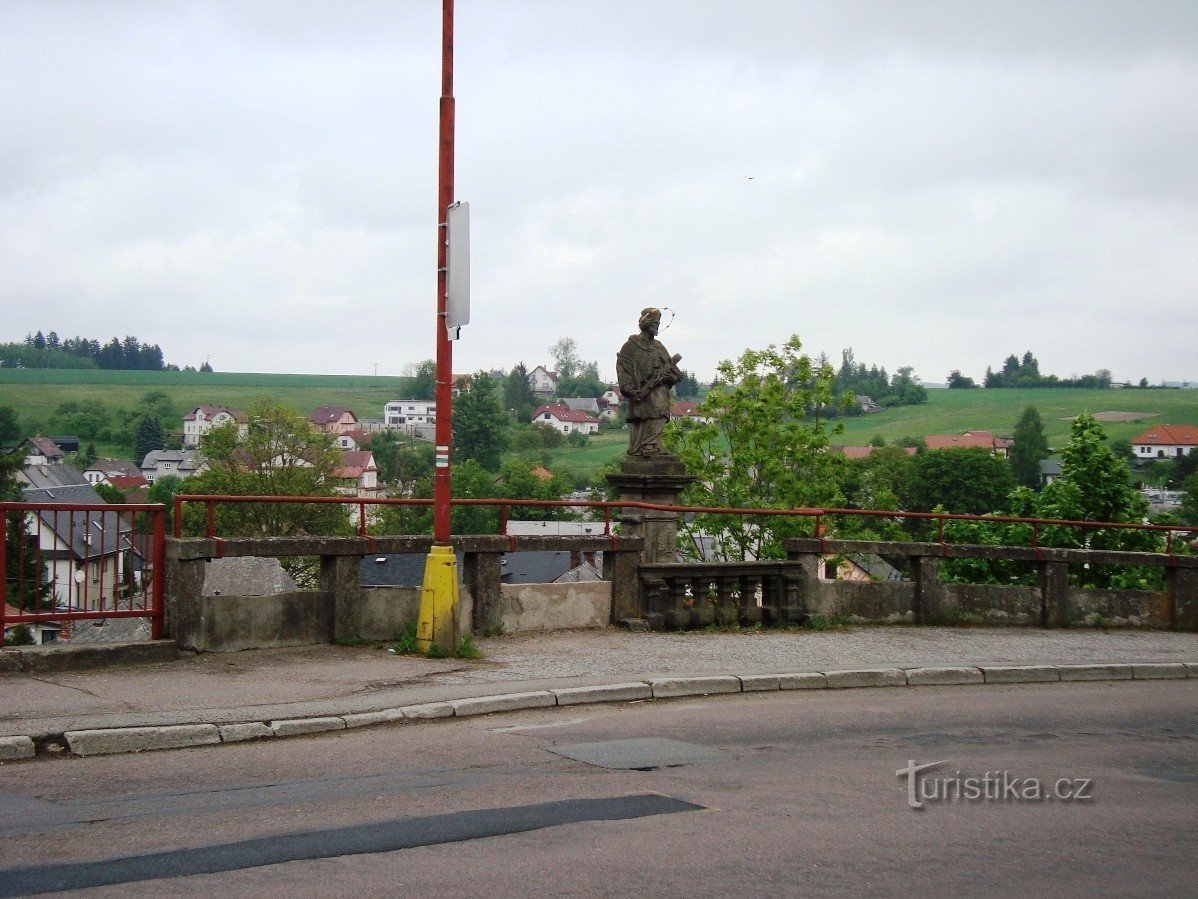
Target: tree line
x,y
48,351
1025,372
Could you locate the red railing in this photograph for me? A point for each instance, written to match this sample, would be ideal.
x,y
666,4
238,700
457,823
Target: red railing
x,y
819,515
66,562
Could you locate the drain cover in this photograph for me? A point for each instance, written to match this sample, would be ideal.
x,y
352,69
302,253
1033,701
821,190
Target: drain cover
x,y
640,754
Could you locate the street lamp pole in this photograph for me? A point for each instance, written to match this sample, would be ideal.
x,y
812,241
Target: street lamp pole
x,y
437,623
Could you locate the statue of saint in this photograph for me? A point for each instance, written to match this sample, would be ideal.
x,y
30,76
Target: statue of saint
x,y
646,372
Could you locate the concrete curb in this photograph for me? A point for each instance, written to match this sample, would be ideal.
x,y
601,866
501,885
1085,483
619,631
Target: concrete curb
x,y
102,741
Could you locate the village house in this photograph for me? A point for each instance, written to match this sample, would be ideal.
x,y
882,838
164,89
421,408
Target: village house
x,y
687,409
863,452
609,404
202,419
357,475
103,470
999,446
542,380
180,463
42,451
562,418
401,415
1165,441
333,419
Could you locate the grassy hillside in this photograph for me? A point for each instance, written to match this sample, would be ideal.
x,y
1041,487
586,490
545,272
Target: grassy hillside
x,y
997,411
36,393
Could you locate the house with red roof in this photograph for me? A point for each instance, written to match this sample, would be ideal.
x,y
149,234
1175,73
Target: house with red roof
x,y
999,446
863,452
1165,441
562,418
358,475
687,409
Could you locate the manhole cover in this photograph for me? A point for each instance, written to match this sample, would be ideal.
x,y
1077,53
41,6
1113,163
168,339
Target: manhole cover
x,y
640,754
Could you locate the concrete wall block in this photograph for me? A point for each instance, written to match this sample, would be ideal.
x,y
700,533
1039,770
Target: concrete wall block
x,y
550,607
605,693
803,680
12,748
1095,672
931,677
427,710
294,727
1159,671
236,733
1021,674
750,683
866,677
666,687
1192,669
140,739
510,702
368,719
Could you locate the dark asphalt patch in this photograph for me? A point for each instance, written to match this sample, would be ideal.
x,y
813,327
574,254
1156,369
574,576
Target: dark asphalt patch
x,y
361,839
640,754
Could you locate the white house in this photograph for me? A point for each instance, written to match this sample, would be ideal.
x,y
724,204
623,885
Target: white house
x,y
103,470
542,380
358,475
1165,442
180,463
42,451
562,418
401,415
202,419
687,409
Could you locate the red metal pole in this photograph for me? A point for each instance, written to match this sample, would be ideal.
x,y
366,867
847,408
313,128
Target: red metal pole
x,y
158,575
444,431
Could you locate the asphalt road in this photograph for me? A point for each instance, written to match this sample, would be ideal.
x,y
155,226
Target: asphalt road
x,y
783,793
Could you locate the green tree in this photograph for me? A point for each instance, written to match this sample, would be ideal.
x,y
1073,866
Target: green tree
x,y
10,430
1031,446
958,381
25,582
147,437
1189,500
517,393
766,447
961,479
423,380
480,424
109,494
282,454
566,361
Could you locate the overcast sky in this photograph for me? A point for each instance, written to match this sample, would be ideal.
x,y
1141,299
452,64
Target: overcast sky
x,y
935,184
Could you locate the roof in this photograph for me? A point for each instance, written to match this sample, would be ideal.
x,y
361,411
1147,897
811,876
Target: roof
x,y
685,409
114,468
875,566
323,415
1050,467
861,452
187,460
978,439
354,463
1168,435
125,483
581,403
45,447
542,473
541,567
90,534
395,569
211,412
564,413
53,476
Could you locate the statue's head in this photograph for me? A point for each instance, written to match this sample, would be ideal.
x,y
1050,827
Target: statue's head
x,y
650,319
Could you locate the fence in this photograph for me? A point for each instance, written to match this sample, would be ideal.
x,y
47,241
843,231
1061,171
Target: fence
x,y
66,562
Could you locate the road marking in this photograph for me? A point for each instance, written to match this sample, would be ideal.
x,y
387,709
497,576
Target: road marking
x,y
515,728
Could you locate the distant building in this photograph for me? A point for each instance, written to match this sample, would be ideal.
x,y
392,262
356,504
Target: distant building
x,y
42,451
863,452
543,381
202,419
688,409
999,446
401,415
562,418
333,419
1165,441
357,475
103,470
180,463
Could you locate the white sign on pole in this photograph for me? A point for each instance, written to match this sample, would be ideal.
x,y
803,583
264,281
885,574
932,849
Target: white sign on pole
x,y
457,281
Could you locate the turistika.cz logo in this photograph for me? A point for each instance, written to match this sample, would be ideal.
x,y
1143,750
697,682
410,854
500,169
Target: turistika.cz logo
x,y
991,786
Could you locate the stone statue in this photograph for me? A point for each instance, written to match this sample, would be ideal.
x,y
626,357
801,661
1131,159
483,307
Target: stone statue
x,y
646,372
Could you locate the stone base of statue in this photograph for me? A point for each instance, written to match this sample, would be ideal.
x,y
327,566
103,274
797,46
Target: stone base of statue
x,y
649,479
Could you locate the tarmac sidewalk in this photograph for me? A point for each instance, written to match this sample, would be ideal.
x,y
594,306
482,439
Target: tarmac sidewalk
x,y
209,698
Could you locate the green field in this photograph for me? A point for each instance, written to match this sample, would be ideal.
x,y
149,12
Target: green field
x,y
997,411
35,393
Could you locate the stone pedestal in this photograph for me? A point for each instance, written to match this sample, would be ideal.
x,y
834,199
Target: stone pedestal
x,y
657,480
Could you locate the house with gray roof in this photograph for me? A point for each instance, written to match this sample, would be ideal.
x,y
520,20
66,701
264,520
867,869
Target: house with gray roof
x,y
180,463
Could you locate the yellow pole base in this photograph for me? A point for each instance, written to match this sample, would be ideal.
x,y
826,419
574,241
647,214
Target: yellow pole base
x,y
437,624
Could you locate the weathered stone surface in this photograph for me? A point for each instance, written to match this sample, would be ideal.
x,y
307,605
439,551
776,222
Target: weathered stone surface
x,y
750,683
551,607
428,710
666,687
246,577
1192,669
293,727
929,677
866,677
1159,671
16,748
366,719
510,702
803,680
605,693
236,733
1021,674
140,739
1095,672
